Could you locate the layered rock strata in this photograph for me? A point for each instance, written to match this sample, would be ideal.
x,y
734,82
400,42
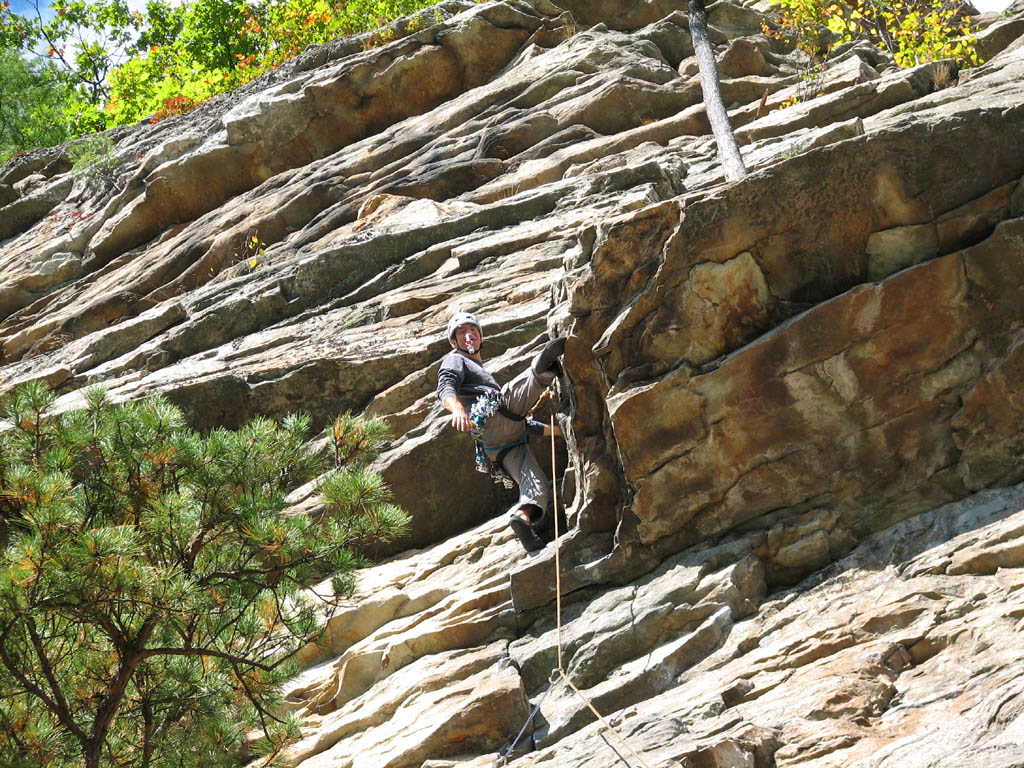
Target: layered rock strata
x,y
776,392
904,652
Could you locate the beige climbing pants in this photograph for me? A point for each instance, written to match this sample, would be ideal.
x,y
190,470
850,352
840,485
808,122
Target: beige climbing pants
x,y
519,396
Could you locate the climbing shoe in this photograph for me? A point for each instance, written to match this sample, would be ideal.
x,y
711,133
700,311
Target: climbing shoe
x,y
547,360
524,532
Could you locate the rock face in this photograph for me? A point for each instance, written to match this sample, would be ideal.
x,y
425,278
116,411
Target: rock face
x,y
794,405
894,655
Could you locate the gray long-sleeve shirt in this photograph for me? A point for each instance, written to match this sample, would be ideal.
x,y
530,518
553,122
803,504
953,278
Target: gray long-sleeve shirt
x,y
464,378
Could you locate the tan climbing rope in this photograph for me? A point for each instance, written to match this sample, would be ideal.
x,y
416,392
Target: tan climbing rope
x,y
558,622
558,610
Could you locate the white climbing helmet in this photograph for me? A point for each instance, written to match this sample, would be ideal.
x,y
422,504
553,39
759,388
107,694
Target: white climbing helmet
x,y
461,318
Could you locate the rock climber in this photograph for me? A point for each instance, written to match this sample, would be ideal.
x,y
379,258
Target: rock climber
x,y
497,417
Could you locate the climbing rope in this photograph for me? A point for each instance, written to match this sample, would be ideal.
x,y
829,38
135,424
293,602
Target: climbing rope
x,y
558,623
533,712
558,610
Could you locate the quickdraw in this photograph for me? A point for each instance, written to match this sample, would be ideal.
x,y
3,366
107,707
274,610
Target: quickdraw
x,y
484,408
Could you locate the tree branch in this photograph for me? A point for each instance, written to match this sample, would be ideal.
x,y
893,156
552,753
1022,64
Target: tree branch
x,y
115,691
711,87
168,651
58,707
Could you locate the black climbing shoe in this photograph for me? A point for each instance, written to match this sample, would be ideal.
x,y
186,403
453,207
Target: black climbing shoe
x,y
547,360
524,532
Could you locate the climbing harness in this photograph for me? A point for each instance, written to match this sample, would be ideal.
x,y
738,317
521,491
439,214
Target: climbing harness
x,y
558,622
484,408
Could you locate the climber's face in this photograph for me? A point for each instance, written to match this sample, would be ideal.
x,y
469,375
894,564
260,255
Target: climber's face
x,y
468,338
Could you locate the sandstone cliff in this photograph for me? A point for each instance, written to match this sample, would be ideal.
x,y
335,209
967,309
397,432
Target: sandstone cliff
x,y
794,405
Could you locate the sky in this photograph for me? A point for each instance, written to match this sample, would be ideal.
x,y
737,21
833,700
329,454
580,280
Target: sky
x,y
26,7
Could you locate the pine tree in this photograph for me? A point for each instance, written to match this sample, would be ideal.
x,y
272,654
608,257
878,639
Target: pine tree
x,y
154,586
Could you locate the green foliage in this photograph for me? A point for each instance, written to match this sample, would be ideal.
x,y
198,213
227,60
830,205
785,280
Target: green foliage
x,y
153,586
159,85
93,159
355,440
207,47
219,34
118,66
913,31
32,103
85,41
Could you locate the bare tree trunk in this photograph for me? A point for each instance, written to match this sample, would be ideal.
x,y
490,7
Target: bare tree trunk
x,y
728,149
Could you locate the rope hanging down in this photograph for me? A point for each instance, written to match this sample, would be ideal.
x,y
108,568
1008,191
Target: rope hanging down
x,y
558,623
558,611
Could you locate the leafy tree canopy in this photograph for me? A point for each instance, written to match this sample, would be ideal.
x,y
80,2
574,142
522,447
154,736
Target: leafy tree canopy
x,y
120,66
153,585
32,104
912,31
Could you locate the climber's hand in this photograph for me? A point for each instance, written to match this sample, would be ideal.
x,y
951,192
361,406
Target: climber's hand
x,y
460,421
